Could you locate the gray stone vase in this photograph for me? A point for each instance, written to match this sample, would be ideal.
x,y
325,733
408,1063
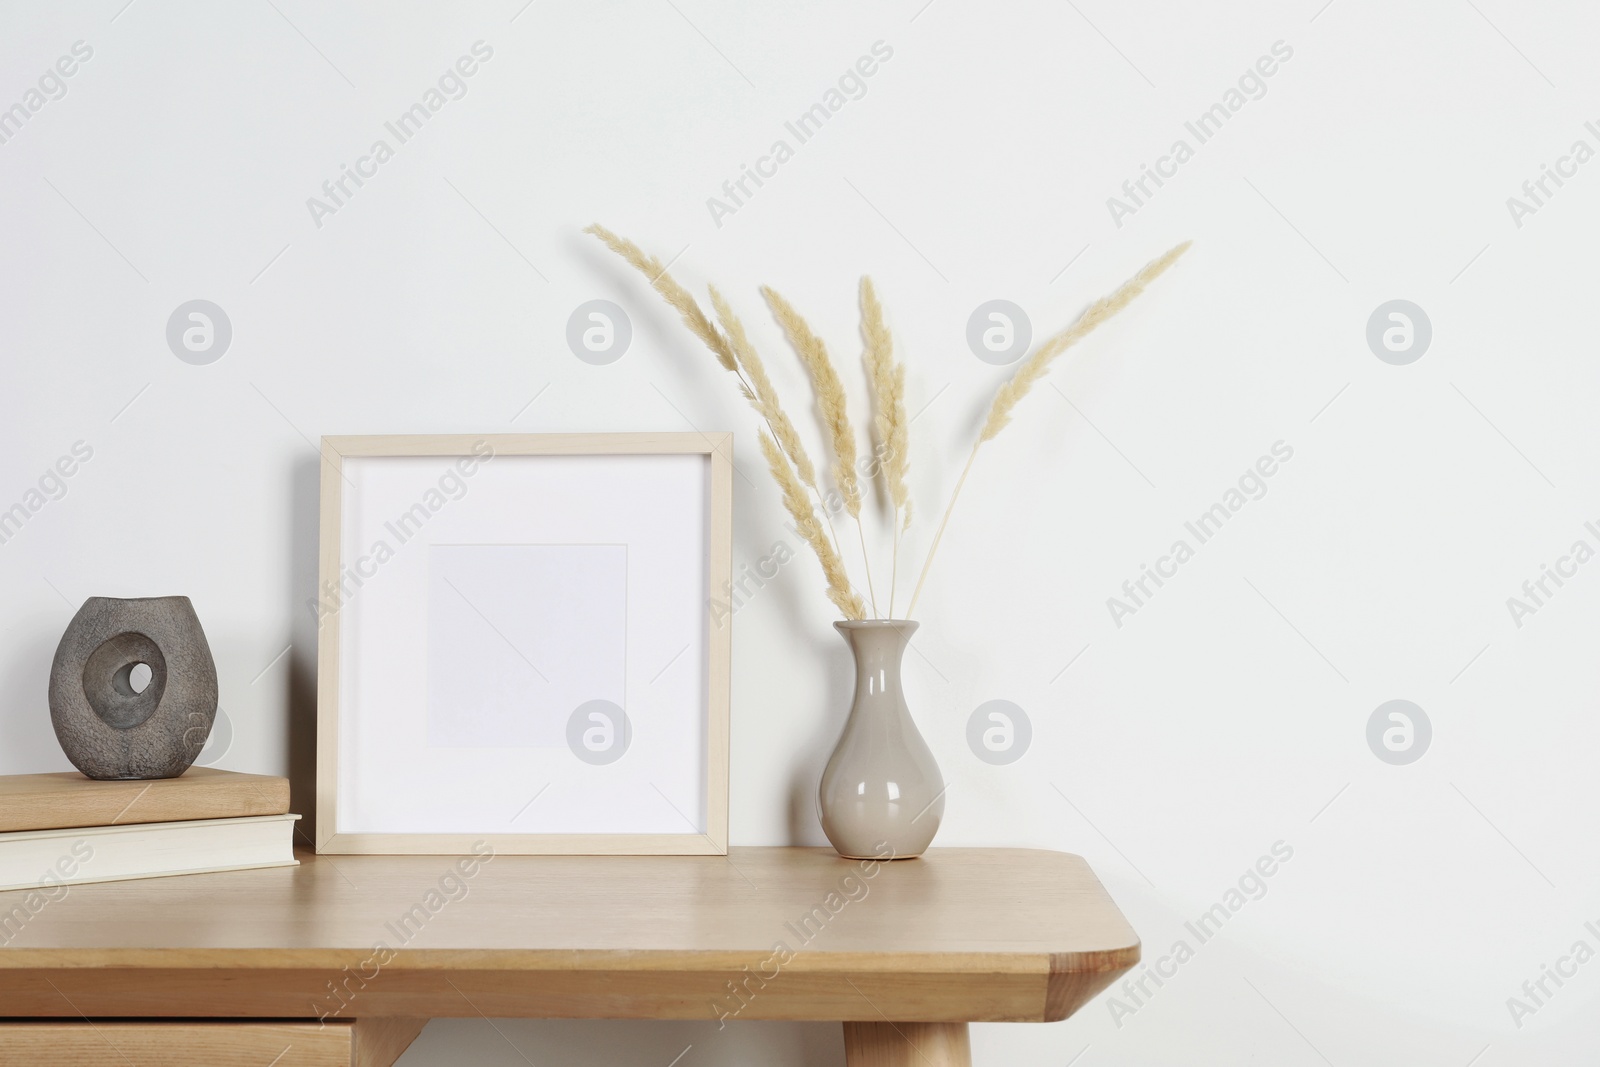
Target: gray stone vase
x,y
107,727
881,795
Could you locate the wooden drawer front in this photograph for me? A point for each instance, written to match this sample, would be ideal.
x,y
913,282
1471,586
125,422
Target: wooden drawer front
x,y
168,1044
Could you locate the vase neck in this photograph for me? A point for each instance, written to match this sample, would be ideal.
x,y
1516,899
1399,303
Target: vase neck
x,y
879,648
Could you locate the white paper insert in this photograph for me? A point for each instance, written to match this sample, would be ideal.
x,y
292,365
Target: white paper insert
x,y
519,636
591,569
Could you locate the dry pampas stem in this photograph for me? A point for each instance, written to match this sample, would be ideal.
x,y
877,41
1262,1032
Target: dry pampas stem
x,y
834,410
1038,364
671,291
786,456
736,354
805,520
1035,368
759,391
733,350
889,418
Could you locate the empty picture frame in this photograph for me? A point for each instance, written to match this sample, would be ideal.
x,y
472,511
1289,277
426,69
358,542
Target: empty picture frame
x,y
516,647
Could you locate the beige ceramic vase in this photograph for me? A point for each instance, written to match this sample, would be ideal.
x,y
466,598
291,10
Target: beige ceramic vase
x,y
881,796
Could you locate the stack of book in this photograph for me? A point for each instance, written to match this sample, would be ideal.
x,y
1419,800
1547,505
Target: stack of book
x,y
64,829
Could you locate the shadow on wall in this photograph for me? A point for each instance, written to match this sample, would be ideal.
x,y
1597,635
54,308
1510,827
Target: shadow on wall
x,y
27,739
448,1042
827,722
1204,962
301,722
787,600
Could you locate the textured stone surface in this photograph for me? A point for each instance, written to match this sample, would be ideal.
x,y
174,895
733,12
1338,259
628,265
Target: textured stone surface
x,y
106,729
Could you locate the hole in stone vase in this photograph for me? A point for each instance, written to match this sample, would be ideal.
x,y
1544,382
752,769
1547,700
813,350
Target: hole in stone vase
x,y
125,679
133,679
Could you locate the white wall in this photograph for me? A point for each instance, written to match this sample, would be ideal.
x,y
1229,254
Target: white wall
x,y
1228,714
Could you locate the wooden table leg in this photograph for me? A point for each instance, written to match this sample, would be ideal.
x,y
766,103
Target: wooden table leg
x,y
907,1045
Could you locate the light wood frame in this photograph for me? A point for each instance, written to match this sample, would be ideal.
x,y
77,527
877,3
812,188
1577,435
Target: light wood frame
x,y
718,447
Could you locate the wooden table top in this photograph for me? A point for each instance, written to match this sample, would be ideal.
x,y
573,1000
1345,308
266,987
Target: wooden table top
x,y
765,933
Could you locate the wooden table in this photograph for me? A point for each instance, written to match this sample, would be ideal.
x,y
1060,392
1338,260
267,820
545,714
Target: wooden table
x,y
363,950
